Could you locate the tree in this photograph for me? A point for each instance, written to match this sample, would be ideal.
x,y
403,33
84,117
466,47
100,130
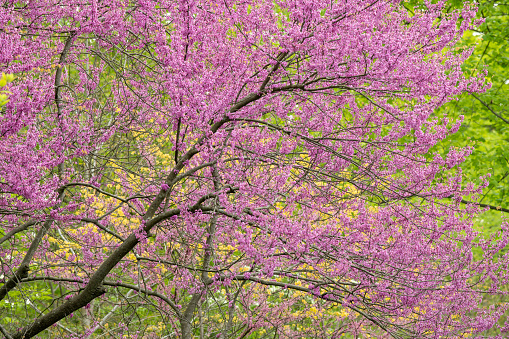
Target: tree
x,y
239,168
485,124
485,114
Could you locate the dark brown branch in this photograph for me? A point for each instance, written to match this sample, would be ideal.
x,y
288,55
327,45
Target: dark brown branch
x,y
5,333
274,70
126,201
23,268
490,109
113,284
193,170
95,286
16,230
58,75
491,207
102,227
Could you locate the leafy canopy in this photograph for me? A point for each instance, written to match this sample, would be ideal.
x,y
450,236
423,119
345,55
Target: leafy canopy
x,y
238,169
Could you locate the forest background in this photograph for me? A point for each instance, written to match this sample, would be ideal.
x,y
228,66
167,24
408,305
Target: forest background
x,y
486,123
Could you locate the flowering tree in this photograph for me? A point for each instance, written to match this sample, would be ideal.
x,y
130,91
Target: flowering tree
x,y
237,169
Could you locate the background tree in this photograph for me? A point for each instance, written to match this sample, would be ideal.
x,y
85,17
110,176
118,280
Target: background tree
x,y
486,122
234,169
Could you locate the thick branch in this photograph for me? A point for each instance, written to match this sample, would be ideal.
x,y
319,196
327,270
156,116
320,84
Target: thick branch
x,y
5,333
95,286
491,207
16,230
58,75
23,268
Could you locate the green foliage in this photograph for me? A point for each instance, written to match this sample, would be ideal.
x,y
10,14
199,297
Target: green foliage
x,y
486,115
4,80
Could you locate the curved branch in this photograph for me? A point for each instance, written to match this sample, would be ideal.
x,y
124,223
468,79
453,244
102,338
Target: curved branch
x,y
194,169
58,75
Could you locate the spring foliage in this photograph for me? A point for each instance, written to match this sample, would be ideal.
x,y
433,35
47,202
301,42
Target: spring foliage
x,y
238,169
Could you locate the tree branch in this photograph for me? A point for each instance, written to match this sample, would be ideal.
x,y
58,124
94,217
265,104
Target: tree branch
x,y
113,284
491,207
95,286
126,201
58,74
98,224
18,229
5,333
490,109
23,268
